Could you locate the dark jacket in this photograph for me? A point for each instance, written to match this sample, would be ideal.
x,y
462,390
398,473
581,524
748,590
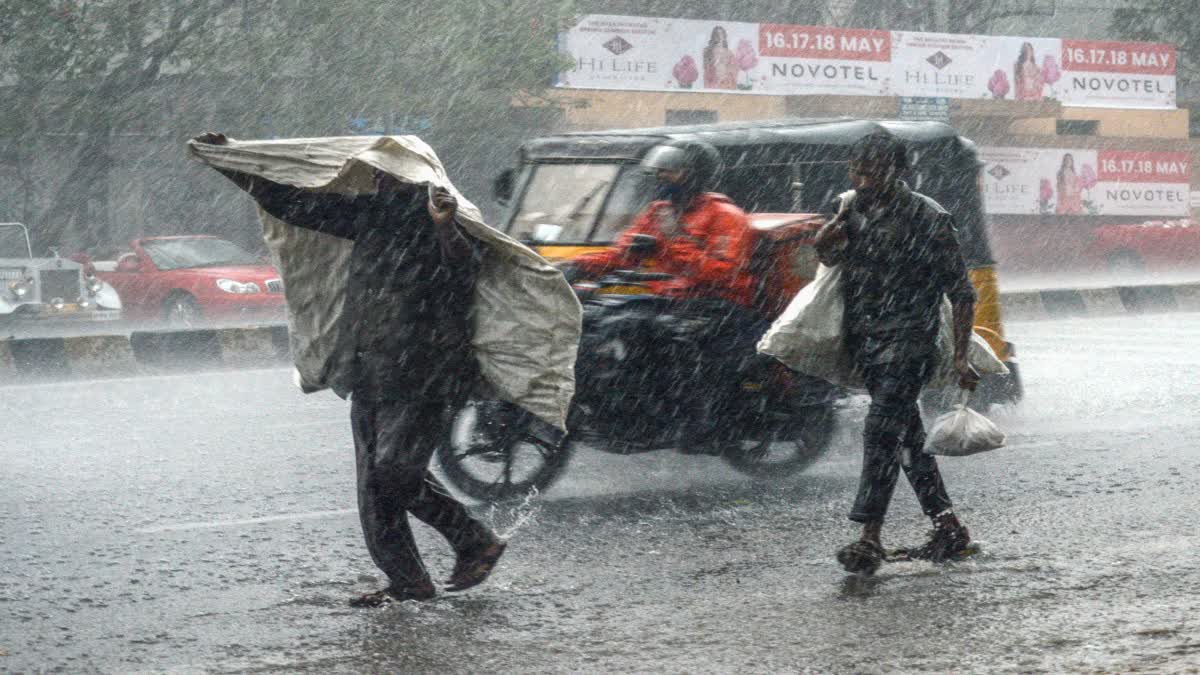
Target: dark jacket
x,y
900,259
408,295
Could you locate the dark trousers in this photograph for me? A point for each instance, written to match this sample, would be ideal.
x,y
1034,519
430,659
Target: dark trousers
x,y
894,437
394,441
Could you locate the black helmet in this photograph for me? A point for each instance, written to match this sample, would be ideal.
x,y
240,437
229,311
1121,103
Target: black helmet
x,y
701,160
880,147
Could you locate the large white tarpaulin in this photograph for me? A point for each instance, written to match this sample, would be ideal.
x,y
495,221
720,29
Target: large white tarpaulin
x,y
527,319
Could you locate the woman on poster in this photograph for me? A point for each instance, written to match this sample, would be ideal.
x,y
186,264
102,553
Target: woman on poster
x,y
1027,76
1070,188
720,71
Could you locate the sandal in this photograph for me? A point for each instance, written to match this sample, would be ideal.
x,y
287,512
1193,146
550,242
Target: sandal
x,y
945,544
474,566
861,557
393,594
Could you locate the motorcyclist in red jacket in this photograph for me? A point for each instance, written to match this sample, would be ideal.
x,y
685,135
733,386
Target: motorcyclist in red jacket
x,y
705,242
704,239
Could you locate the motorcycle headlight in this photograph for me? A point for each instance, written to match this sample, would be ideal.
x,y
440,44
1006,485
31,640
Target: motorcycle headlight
x,y
231,286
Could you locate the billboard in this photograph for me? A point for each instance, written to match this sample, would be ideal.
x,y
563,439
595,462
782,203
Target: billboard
x,y
1061,181
643,53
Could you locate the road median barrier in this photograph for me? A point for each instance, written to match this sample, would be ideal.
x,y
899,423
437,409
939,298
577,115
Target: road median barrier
x,y
141,352
1087,302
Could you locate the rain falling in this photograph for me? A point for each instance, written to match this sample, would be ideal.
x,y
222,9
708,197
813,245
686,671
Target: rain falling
x,y
828,336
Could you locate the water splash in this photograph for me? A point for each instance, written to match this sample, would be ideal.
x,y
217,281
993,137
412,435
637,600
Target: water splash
x,y
518,516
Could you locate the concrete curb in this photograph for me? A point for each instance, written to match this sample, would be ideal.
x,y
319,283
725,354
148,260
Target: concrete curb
x,y
1113,301
149,352
141,352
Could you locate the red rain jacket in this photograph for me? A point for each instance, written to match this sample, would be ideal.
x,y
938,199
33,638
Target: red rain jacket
x,y
709,255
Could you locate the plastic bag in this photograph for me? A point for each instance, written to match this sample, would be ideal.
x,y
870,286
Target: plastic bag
x,y
962,432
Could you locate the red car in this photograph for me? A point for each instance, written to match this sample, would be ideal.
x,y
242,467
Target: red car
x,y
190,280
1157,245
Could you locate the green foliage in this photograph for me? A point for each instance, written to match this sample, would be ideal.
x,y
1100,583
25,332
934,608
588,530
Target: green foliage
x,y
98,70
1163,21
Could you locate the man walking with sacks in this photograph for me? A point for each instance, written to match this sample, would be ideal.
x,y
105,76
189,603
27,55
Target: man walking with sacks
x,y
401,298
899,254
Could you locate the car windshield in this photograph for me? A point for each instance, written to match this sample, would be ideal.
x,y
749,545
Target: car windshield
x,y
563,202
13,243
174,254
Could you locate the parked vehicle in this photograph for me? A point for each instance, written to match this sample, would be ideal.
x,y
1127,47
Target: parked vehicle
x,y
1155,245
188,281
51,289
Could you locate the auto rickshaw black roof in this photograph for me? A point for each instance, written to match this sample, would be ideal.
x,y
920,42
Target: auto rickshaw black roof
x,y
633,143
762,158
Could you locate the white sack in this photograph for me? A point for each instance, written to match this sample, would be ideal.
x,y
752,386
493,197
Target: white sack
x,y
809,337
527,320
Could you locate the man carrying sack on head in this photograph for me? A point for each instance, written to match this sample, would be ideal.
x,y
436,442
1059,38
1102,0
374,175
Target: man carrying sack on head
x,y
401,298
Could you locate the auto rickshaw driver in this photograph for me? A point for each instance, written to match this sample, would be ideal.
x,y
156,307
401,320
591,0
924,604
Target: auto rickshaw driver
x,y
704,242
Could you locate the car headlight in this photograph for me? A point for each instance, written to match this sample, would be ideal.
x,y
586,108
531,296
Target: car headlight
x,y
231,286
20,289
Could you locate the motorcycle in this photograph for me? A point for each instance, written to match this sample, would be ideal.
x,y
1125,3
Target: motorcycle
x,y
641,359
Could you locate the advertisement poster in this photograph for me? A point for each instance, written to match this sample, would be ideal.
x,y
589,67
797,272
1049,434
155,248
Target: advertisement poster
x,y
622,52
1117,74
935,64
1054,181
815,60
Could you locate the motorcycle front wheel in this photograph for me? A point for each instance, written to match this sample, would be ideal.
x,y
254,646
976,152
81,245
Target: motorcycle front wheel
x,y
783,447
492,454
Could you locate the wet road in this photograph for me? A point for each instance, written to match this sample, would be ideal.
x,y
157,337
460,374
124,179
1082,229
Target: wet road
x,y
206,523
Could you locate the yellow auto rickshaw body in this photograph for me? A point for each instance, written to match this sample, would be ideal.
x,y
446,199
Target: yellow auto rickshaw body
x,y
574,193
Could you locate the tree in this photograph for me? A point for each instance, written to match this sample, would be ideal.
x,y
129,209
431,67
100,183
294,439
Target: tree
x,y
1163,21
939,16
94,89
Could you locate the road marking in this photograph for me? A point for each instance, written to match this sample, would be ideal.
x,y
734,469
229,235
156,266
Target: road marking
x,y
214,524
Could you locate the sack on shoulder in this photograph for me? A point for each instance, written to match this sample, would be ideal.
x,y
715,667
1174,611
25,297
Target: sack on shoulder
x,y
808,336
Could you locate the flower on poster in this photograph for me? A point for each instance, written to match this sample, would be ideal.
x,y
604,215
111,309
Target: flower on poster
x,y
1088,177
1045,196
686,73
998,84
746,59
1051,73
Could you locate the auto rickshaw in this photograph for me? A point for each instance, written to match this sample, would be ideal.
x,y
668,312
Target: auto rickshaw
x,y
575,192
